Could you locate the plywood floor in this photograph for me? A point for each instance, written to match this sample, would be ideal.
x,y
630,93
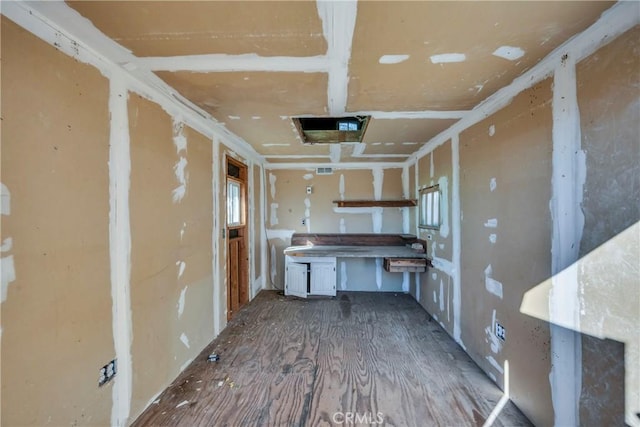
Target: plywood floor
x,y
291,362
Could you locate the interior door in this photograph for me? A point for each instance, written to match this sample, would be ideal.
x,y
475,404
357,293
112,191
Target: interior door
x,y
237,234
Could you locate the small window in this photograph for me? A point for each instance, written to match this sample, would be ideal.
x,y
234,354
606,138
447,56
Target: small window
x,y
234,204
430,207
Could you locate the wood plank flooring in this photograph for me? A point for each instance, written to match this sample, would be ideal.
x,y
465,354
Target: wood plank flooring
x,y
291,362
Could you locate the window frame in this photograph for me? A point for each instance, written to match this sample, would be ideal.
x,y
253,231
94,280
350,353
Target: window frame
x,y
430,210
241,211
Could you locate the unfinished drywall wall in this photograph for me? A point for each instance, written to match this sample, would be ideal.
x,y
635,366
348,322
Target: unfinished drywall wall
x,y
608,96
436,285
288,205
505,173
503,164
56,293
171,226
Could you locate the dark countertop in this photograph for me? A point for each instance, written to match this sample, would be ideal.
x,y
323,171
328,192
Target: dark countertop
x,y
354,251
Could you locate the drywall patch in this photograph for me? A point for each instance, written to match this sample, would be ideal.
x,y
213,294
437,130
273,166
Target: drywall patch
x,y
273,217
456,214
492,339
376,217
432,169
567,183
510,53
434,276
307,213
405,193
8,274
335,152
182,176
179,140
492,285
7,265
5,200
443,265
307,176
234,117
492,130
493,238
274,266
443,183
181,266
392,59
493,184
405,282
495,364
341,187
272,184
338,23
379,273
343,275
441,295
378,178
181,300
185,340
435,297
7,244
445,58
343,227
179,169
120,248
491,223
182,230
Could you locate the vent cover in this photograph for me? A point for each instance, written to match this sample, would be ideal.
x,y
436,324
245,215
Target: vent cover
x,y
331,130
324,171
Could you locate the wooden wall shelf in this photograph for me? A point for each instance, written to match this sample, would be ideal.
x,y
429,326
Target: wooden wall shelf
x,y
376,203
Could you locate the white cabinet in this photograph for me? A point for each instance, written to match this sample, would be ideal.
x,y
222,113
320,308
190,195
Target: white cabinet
x,y
296,280
310,276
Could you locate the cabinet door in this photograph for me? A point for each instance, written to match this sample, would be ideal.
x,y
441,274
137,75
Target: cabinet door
x,y
296,280
323,278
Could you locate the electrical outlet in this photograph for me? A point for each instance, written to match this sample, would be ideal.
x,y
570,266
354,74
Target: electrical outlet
x,y
107,372
501,332
303,221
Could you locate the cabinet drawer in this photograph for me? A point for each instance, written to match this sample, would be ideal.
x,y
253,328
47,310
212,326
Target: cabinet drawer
x,y
405,265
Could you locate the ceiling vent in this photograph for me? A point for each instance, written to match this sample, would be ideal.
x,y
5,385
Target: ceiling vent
x,y
324,171
331,130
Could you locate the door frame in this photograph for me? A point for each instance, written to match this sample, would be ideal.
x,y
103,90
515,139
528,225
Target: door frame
x,y
241,233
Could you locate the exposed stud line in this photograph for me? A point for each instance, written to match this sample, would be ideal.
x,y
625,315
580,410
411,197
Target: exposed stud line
x,y
568,177
228,63
120,248
338,23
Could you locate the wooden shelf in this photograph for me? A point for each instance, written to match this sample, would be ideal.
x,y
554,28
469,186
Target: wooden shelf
x,y
376,203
